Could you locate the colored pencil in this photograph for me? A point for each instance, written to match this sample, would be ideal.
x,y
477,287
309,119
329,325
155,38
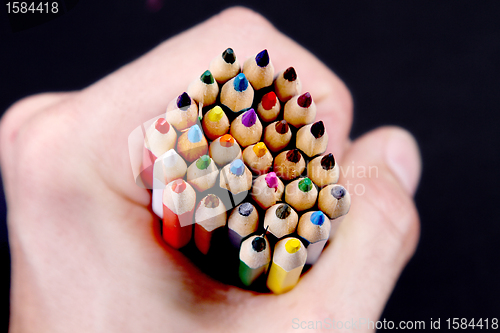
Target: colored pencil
x,y
215,123
314,230
289,259
267,190
204,90
168,167
334,201
159,138
301,194
182,112
258,158
247,128
277,135
259,70
225,66
237,93
202,174
269,107
243,221
300,110
224,150
323,170
289,164
179,200
192,144
236,177
312,139
281,220
209,217
287,84
255,256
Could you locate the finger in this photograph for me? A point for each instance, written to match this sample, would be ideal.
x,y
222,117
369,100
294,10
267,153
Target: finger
x,y
116,105
18,115
358,270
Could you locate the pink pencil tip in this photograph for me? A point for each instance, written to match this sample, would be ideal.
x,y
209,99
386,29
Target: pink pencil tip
x,y
272,180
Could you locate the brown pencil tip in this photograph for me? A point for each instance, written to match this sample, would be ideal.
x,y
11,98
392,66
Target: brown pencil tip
x,y
293,155
328,162
318,129
281,127
283,211
211,201
290,74
304,100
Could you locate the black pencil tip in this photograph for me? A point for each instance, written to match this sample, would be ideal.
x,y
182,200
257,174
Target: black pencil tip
x,y
290,74
228,56
318,129
262,59
328,162
183,100
283,211
259,244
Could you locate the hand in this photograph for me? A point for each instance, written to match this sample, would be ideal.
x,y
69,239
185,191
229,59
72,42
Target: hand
x,y
86,252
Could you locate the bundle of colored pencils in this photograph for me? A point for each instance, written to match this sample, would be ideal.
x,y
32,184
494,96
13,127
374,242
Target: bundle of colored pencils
x,y
239,162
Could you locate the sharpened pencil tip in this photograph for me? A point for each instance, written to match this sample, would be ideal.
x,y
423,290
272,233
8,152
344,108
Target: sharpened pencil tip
x,y
240,82
304,100
203,162
162,125
211,201
272,180
226,141
318,129
262,58
215,114
292,245
281,127
207,77
259,244
290,74
183,101
260,149
317,218
269,100
245,209
178,186
249,118
338,192
194,134
305,185
283,211
328,162
229,56
237,167
293,155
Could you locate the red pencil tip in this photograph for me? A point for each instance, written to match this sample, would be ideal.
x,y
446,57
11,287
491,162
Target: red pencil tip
x,y
162,125
304,100
269,100
178,186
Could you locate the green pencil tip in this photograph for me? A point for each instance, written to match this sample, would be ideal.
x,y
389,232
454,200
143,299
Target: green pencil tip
x,y
305,185
203,162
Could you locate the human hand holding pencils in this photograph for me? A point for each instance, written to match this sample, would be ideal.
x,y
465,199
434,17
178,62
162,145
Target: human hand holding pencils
x,y
86,250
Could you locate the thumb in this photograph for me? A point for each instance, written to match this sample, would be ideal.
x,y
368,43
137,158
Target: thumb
x,y
359,268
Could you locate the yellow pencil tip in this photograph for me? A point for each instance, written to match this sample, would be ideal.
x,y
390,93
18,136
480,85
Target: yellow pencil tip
x,y
260,149
292,245
215,114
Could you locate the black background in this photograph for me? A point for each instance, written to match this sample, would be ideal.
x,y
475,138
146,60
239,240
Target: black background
x,y
429,66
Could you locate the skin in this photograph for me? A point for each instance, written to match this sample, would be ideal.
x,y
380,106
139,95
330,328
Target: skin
x,y
86,252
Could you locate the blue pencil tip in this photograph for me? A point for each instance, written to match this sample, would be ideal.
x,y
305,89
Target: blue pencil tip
x,y
262,59
237,167
240,82
317,218
194,134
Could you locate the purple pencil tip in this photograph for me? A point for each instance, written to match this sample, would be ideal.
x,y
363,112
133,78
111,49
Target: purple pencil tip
x,y
249,118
